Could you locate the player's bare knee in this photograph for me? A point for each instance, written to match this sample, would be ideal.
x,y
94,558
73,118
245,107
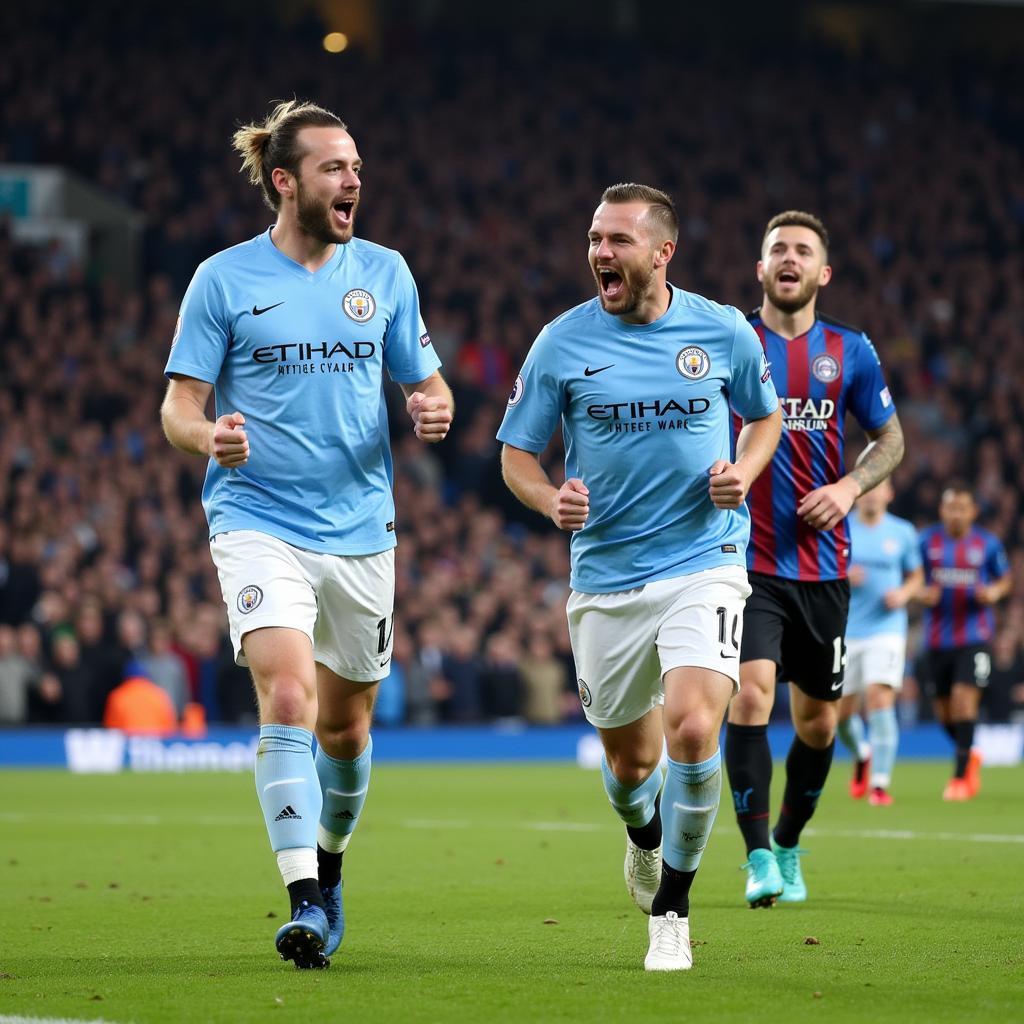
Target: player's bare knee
x,y
344,741
631,768
817,730
287,700
751,706
688,737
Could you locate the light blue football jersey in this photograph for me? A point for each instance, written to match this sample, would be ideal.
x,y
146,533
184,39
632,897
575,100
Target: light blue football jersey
x,y
886,551
301,356
645,411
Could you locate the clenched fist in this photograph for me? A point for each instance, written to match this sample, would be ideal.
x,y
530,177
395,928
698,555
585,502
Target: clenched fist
x,y
431,416
229,446
571,505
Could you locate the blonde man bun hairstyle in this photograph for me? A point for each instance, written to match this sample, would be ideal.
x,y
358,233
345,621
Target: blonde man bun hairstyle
x,y
274,143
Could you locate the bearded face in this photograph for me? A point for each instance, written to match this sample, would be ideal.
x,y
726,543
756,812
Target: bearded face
x,y
328,219
622,257
793,267
789,289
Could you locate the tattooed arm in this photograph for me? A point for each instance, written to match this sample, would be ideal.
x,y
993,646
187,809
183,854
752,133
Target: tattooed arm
x,y
881,457
827,506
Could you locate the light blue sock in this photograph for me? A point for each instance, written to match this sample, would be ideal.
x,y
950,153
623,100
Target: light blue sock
x,y
634,806
689,803
287,786
884,730
344,785
851,732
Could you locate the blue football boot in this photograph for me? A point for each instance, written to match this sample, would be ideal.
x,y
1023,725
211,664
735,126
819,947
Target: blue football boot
x,y
304,937
335,918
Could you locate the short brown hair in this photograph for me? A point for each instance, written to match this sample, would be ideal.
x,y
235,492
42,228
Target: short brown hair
x,y
661,209
273,143
800,219
957,486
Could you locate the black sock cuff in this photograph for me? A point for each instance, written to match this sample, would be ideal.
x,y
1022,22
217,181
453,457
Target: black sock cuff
x,y
305,889
806,751
743,731
647,837
963,733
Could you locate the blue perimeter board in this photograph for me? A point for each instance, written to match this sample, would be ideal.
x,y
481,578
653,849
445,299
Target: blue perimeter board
x,y
233,748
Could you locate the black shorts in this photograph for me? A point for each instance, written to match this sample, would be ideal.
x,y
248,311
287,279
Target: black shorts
x,y
802,628
971,664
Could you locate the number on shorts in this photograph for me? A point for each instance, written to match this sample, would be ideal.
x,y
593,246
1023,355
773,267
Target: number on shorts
x,y
838,655
384,634
723,616
982,666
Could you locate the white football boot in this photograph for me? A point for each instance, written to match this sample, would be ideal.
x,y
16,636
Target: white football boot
x,y
642,872
670,943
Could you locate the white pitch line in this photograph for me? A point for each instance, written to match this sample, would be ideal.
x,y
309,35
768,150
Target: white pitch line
x,y
4,1019
567,826
903,835
883,833
16,818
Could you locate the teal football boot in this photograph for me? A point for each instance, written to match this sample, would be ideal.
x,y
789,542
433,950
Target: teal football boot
x,y
793,888
764,882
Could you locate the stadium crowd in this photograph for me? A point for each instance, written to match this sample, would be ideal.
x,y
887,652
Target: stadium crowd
x,y
484,177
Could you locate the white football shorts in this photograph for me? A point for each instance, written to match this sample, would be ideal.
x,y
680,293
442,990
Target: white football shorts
x,y
874,659
343,603
625,642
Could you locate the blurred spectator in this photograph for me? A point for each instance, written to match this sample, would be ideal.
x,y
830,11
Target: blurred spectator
x,y
131,638
1006,679
390,706
18,677
459,700
501,684
140,707
165,667
80,699
96,651
544,680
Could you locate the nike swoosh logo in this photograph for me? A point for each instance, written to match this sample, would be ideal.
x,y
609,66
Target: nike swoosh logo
x,y
385,661
588,372
728,657
256,311
837,686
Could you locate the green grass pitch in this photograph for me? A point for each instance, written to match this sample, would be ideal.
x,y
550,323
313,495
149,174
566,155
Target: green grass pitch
x,y
493,894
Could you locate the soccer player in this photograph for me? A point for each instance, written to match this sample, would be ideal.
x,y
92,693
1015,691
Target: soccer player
x,y
885,574
292,331
795,620
641,379
966,572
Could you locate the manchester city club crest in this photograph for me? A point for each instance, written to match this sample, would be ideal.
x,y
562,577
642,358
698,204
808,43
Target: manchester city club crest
x,y
585,697
693,363
825,368
249,598
359,305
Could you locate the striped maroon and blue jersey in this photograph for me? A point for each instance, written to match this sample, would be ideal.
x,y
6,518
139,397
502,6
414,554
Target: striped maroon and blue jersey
x,y
819,376
959,565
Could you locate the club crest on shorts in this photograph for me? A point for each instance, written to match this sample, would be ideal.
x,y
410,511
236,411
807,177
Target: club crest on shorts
x,y
249,598
825,368
585,697
693,363
359,305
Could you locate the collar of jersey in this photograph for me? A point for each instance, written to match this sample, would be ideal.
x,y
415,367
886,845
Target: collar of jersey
x,y
664,320
297,268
